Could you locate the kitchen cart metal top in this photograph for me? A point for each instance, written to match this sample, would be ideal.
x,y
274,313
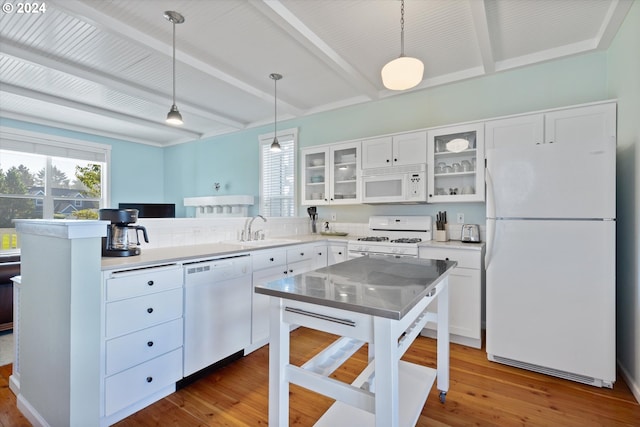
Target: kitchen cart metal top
x,y
380,300
382,286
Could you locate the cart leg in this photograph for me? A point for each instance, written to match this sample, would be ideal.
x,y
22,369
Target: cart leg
x,y
387,413
443,339
278,359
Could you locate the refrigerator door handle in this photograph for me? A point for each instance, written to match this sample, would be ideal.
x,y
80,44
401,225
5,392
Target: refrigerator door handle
x,y
491,201
491,235
491,214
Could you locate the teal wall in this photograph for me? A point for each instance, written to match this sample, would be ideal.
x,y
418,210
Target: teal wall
x,y
233,160
623,78
136,173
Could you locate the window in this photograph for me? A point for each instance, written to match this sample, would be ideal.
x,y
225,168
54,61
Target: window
x,y
277,175
50,177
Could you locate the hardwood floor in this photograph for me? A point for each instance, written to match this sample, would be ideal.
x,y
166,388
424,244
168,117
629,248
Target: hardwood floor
x,y
481,393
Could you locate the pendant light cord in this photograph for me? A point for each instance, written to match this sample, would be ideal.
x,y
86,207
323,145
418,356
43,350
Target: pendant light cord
x,y
174,62
275,108
402,28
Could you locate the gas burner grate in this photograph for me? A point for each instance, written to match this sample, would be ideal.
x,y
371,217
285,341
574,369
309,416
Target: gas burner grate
x,y
407,240
373,239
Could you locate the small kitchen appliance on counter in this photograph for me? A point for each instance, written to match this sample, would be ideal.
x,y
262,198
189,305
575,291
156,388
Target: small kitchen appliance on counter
x,y
117,243
470,233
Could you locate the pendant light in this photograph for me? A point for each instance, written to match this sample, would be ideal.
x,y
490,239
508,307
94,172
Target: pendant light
x,y
403,72
174,117
275,145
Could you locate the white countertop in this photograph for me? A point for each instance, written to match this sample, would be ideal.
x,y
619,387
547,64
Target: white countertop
x,y
180,253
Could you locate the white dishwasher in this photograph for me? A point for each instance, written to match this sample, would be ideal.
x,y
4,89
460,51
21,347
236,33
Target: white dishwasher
x,y
217,312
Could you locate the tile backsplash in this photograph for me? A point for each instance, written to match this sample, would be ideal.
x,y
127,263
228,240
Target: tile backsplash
x,y
170,232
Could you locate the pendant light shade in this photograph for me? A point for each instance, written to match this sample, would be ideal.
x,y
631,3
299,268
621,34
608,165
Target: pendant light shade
x,y
403,72
275,145
174,117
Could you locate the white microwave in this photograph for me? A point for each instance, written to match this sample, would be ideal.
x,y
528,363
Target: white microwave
x,y
396,184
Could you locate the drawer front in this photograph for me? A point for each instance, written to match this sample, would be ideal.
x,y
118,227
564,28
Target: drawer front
x,y
337,254
132,284
266,259
129,315
465,259
135,348
132,385
300,253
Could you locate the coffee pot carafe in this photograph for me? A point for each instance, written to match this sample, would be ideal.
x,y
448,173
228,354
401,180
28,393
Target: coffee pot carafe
x,y
117,243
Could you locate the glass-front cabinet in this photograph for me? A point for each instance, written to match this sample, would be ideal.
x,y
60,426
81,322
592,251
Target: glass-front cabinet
x,y
330,174
456,164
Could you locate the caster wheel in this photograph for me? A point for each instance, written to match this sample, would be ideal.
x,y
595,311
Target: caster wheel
x,y
443,396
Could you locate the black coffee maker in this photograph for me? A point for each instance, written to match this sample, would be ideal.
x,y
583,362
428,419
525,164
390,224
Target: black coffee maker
x,y
117,241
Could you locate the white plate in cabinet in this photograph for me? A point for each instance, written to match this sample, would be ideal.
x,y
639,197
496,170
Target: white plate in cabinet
x,y
125,316
142,380
141,282
132,349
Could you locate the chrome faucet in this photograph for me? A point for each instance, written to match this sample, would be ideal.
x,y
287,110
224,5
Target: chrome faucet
x,y
246,234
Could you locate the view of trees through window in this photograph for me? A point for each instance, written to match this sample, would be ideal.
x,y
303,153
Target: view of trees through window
x,y
36,186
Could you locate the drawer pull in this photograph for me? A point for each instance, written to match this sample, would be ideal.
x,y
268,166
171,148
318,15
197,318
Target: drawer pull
x,y
150,283
271,259
301,253
339,253
150,343
290,271
285,272
149,379
447,259
150,310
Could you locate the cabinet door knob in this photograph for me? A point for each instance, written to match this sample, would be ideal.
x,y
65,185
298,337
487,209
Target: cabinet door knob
x,y
149,379
387,160
290,271
395,160
301,253
271,259
447,259
339,253
149,343
285,272
149,310
430,195
319,253
150,283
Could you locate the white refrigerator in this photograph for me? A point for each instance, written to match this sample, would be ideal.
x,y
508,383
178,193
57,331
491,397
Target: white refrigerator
x,y
550,262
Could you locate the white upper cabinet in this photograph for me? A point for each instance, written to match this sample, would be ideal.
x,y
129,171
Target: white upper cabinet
x,y
456,164
402,149
330,174
528,130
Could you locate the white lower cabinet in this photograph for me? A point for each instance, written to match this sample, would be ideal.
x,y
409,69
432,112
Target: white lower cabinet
x,y
274,264
142,338
465,294
336,252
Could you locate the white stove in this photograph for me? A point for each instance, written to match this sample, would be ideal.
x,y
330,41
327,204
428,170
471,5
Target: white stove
x,y
392,235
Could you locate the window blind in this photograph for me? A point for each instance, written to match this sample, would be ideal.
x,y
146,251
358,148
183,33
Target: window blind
x,y
277,176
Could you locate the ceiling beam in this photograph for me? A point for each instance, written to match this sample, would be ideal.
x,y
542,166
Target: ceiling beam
x,y
76,128
85,12
52,99
37,58
618,9
285,19
481,25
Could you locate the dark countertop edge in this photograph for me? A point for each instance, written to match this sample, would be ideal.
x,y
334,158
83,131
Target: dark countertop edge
x,y
379,312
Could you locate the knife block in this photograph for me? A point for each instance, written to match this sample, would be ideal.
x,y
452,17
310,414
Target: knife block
x,y
442,235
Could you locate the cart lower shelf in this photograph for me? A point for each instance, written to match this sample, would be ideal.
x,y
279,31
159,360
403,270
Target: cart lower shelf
x,y
415,383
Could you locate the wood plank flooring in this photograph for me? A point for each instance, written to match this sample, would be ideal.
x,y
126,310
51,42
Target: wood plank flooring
x,y
481,393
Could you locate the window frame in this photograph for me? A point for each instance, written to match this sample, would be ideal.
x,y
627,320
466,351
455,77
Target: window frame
x,y
265,139
48,145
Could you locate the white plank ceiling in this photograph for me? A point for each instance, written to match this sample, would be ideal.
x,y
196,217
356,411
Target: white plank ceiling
x,y
104,67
